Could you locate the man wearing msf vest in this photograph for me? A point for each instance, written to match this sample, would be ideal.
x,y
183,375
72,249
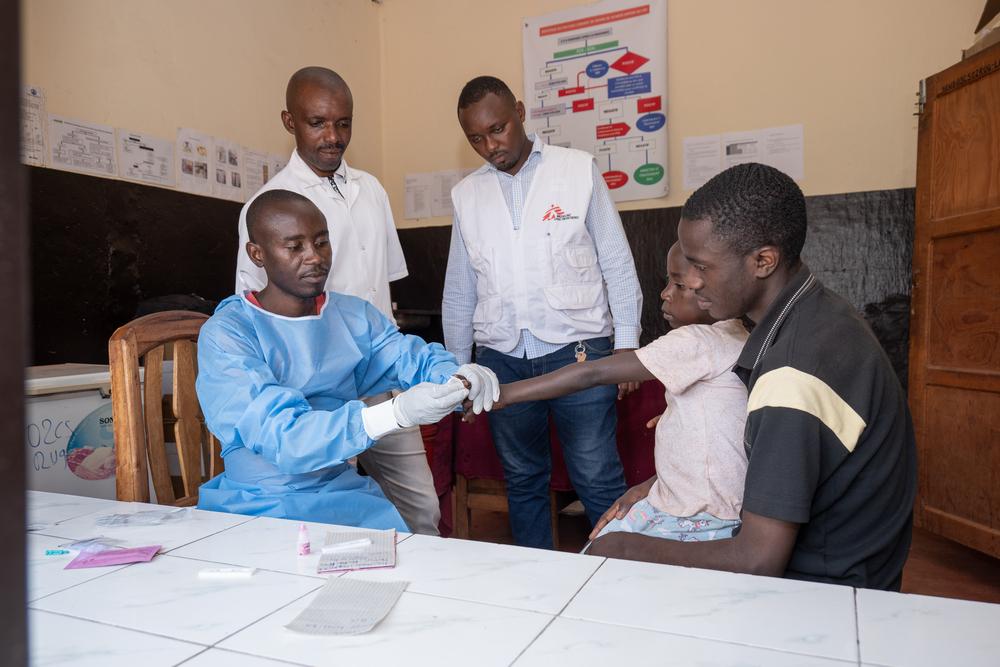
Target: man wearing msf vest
x,y
538,265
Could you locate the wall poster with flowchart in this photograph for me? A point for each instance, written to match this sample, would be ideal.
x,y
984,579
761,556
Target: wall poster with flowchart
x,y
595,79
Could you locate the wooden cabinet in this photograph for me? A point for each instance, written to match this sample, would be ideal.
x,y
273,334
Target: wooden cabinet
x,y
955,328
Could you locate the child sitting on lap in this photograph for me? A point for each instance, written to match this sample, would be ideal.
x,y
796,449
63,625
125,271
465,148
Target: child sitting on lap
x,y
701,464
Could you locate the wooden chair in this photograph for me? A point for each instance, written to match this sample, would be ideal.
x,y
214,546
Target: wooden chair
x,y
491,495
479,483
138,409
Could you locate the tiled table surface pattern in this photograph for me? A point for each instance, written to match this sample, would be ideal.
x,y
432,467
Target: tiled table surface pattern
x,y
467,603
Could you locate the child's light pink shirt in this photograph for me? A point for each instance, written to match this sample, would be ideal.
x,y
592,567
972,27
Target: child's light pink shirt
x,y
700,460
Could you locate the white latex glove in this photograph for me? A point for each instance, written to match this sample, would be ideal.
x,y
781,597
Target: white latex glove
x,y
428,403
484,387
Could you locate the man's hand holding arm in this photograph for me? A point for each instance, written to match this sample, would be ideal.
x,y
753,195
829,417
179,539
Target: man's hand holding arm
x,y
424,403
621,507
781,479
763,546
484,387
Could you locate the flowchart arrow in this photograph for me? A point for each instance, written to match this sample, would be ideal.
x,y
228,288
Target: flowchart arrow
x,y
629,62
612,130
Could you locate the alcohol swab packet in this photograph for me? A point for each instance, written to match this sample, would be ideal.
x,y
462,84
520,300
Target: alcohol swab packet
x,y
113,557
379,551
348,607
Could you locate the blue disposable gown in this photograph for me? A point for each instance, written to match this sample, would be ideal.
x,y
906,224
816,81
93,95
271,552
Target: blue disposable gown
x,y
281,395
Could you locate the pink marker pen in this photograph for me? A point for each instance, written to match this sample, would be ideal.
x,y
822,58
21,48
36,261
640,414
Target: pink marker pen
x,y
303,543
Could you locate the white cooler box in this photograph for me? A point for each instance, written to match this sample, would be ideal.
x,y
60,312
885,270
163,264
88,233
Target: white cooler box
x,y
69,432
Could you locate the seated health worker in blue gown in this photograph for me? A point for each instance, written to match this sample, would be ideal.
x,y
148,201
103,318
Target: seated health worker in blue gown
x,y
280,373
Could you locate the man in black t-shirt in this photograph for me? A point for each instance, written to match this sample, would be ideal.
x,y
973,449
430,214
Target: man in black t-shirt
x,y
832,461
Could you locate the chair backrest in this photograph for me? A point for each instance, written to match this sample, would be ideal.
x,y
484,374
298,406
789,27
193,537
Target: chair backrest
x,y
140,452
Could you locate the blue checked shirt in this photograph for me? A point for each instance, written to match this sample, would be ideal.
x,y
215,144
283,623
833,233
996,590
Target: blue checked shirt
x,y
613,255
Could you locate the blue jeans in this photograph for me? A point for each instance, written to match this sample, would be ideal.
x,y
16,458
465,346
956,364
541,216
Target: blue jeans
x,y
586,422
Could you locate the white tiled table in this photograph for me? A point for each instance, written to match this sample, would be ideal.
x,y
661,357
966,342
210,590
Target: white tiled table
x,y
467,603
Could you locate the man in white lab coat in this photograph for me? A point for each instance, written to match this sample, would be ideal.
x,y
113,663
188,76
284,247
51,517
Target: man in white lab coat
x,y
366,258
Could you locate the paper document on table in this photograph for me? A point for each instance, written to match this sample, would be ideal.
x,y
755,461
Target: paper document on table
x,y
32,126
348,607
375,548
144,518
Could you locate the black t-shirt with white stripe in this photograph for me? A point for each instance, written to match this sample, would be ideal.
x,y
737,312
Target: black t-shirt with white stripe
x,y
829,439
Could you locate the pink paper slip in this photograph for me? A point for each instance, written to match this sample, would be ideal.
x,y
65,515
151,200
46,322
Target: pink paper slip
x,y
113,557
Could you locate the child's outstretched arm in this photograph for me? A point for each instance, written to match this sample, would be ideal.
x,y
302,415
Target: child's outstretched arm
x,y
623,367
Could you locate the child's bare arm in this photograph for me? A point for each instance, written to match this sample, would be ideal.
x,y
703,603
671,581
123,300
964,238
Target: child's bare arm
x,y
623,367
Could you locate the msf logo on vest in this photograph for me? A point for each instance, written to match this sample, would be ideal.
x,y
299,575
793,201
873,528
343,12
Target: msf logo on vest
x,y
555,214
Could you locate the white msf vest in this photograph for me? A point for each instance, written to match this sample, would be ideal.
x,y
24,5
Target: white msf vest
x,y
543,277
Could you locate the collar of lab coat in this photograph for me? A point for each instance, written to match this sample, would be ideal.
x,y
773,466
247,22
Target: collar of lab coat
x,y
311,179
305,174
